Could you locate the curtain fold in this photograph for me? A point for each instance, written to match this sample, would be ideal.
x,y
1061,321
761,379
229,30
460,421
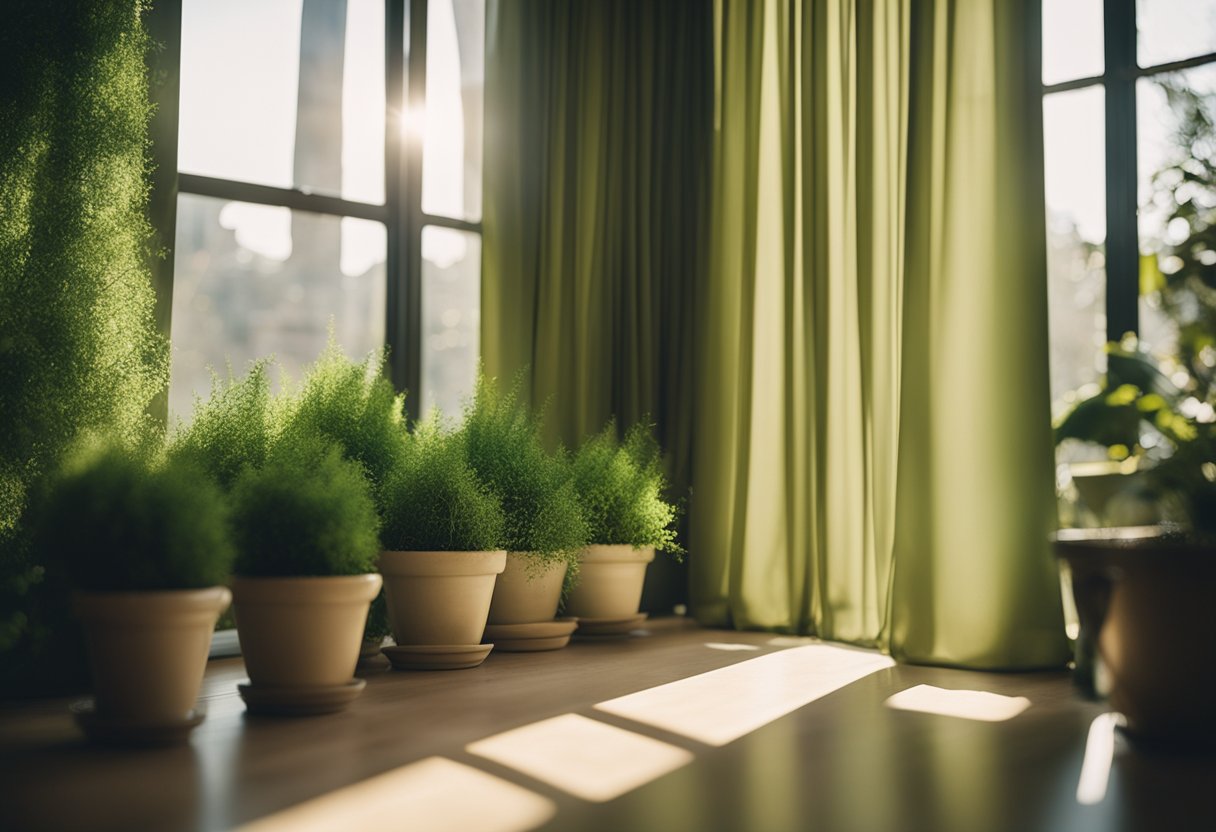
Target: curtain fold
x,y
596,185
809,239
874,463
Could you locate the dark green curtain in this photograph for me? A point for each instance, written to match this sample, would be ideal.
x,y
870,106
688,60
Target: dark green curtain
x,y
597,183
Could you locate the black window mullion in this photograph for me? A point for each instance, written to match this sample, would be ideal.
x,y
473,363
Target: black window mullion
x,y
411,213
396,331
193,183
1122,233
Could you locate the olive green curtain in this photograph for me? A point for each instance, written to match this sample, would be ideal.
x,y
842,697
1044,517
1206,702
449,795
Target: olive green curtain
x,y
596,191
847,358
872,458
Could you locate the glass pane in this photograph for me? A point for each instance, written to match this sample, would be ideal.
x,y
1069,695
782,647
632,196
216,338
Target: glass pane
x,y
1177,162
451,317
455,85
251,110
253,280
1072,40
1075,169
1170,30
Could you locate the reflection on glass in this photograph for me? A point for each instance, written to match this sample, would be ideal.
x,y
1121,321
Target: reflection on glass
x,y
455,85
1177,162
1170,30
1072,40
451,317
254,111
252,281
1075,171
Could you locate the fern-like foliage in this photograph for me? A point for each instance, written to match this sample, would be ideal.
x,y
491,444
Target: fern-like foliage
x,y
236,427
544,518
354,405
118,520
306,512
79,349
433,501
621,486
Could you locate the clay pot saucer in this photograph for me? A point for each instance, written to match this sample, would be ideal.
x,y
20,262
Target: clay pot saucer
x,y
534,637
133,732
437,656
599,627
300,701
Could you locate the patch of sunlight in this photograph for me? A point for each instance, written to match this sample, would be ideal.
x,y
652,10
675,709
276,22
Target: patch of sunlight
x,y
792,641
964,704
722,705
588,759
1099,755
432,795
728,646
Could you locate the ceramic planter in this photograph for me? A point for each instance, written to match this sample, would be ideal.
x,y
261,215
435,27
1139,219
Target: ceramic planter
x,y
525,602
301,639
438,603
148,652
610,583
526,594
1145,605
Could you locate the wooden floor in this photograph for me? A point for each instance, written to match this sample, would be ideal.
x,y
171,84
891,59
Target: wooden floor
x,y
843,762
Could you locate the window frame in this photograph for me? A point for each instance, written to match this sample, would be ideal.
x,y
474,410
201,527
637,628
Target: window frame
x,y
405,28
1121,72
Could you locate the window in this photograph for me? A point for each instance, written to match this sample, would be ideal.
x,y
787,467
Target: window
x,y
329,158
1130,156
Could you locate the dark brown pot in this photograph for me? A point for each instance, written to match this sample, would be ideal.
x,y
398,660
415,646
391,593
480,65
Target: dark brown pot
x,y
1147,604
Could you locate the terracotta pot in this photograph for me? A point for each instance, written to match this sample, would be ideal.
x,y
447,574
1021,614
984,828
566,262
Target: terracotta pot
x,y
302,632
527,591
1145,604
439,598
610,582
148,650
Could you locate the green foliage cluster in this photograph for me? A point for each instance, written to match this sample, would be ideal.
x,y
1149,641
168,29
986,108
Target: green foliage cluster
x,y
544,518
116,521
1140,410
306,511
433,500
1185,190
353,404
621,486
79,350
235,428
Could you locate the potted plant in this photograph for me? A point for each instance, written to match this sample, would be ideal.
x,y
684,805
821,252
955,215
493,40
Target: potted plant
x,y
1130,419
305,529
145,544
442,538
620,486
1143,594
545,528
353,404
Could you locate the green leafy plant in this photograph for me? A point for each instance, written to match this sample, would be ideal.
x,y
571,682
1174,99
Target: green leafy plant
x,y
116,520
544,518
234,428
1134,411
354,405
433,500
1154,410
306,512
79,348
621,486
